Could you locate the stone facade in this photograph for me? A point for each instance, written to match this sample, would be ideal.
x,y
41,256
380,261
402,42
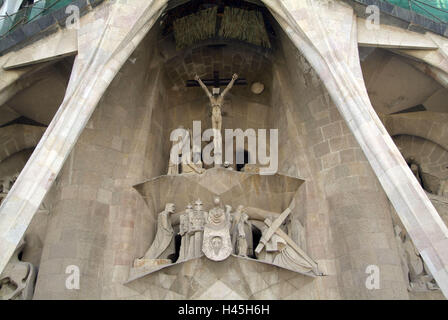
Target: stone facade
x,y
90,193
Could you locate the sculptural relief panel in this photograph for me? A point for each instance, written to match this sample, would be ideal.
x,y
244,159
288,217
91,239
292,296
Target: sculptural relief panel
x,y
219,229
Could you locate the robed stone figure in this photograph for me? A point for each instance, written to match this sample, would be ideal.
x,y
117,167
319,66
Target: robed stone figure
x,y
163,245
241,232
279,252
217,244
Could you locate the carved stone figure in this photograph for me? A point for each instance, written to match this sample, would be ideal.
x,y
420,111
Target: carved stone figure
x,y
416,272
197,222
443,189
217,245
190,233
6,184
278,248
244,234
18,278
272,246
216,103
163,244
184,223
217,213
2,194
181,153
234,218
241,233
190,167
415,168
282,251
415,171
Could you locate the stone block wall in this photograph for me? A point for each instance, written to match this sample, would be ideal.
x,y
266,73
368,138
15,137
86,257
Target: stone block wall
x,y
98,220
348,219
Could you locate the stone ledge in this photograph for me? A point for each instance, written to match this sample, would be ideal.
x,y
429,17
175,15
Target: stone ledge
x,y
141,272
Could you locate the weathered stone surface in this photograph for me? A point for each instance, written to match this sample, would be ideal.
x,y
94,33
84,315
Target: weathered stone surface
x,y
336,163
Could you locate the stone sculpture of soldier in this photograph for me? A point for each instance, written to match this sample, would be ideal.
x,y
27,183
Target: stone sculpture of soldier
x,y
197,222
184,223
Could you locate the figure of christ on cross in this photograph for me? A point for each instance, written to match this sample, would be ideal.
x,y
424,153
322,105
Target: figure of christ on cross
x,y
216,103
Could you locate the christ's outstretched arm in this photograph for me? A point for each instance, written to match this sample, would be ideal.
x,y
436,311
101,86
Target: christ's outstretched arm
x,y
196,77
230,85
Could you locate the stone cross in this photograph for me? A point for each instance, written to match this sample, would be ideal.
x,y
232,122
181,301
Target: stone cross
x,y
293,245
216,103
272,229
216,82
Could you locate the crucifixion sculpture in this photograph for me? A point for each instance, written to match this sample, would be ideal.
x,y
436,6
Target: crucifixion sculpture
x,y
216,100
216,103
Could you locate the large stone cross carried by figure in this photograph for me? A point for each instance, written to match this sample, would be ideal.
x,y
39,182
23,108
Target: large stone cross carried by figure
x,y
274,228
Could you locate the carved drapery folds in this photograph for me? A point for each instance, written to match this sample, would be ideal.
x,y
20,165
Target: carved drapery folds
x,y
218,233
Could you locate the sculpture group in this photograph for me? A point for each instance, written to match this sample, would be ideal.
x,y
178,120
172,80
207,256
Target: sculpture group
x,y
221,232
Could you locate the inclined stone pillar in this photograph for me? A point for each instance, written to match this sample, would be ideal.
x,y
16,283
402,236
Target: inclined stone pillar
x,y
325,32
106,39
